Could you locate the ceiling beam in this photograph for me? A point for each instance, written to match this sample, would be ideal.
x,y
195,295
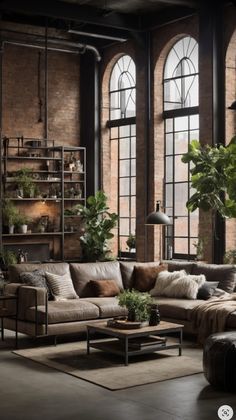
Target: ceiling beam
x,y
72,12
166,17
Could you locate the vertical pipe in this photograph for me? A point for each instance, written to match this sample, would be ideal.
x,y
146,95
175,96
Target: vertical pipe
x,y
46,83
1,145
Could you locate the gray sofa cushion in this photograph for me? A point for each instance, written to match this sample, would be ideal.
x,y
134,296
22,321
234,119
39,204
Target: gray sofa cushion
x,y
176,308
82,273
225,274
180,265
64,311
15,270
108,307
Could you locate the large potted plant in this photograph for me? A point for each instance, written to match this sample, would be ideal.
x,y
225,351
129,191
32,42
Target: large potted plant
x,y
98,223
137,303
213,175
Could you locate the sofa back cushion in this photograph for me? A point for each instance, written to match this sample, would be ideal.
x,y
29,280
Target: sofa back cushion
x,y
224,274
15,270
179,265
82,273
127,271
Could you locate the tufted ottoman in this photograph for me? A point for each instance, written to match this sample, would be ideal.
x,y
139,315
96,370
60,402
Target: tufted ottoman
x,y
219,360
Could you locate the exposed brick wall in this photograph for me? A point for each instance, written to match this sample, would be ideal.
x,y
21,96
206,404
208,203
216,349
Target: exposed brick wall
x,y
21,113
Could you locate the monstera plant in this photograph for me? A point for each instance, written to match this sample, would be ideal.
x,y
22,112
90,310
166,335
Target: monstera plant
x,y
213,177
98,224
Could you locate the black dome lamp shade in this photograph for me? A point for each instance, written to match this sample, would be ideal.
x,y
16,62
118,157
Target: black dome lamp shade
x,y
233,106
158,217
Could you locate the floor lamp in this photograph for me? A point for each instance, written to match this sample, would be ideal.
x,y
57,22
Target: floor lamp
x,y
158,218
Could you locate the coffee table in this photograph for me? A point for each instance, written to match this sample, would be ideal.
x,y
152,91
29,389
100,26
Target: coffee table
x,y
121,338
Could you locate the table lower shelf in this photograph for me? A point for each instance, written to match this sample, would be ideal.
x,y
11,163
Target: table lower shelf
x,y
115,346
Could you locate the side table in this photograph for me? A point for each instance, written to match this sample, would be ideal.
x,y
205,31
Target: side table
x,y
6,311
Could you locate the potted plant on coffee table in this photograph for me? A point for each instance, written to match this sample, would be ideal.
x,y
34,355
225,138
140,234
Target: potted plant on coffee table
x,y
138,305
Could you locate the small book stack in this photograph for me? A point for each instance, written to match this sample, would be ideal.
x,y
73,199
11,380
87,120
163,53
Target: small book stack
x,y
144,342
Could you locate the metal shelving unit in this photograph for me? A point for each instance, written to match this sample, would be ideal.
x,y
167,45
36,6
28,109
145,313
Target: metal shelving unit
x,y
69,165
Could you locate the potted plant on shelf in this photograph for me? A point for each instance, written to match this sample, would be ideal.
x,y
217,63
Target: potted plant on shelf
x,y
98,223
25,183
22,223
137,303
10,215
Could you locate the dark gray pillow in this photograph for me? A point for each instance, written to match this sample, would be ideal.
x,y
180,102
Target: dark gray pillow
x,y
225,274
36,278
207,290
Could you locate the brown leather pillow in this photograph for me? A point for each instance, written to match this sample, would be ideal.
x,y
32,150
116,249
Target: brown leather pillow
x,y
104,288
145,277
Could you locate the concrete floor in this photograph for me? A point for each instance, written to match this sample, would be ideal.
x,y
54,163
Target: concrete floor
x,y
29,391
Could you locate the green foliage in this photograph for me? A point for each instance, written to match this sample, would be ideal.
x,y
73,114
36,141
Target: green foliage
x,y
10,213
25,182
213,174
8,257
73,211
22,220
199,245
137,302
98,223
131,241
230,256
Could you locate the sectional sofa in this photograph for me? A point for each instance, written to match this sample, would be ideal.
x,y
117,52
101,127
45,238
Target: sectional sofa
x,y
39,316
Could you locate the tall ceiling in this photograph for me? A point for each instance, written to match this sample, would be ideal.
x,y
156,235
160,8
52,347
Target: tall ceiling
x,y
99,22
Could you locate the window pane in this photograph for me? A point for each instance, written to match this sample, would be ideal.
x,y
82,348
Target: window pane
x,y
181,170
169,197
181,246
181,226
124,148
181,142
124,226
194,122
124,167
194,135
133,147
181,123
124,131
124,186
124,206
133,226
133,130
169,169
169,125
181,197
133,186
133,206
169,144
133,167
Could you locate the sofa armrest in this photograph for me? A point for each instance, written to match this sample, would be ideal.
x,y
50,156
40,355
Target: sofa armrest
x,y
12,288
29,296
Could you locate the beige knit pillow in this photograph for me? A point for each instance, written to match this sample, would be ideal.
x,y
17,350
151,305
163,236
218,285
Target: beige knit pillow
x,y
61,286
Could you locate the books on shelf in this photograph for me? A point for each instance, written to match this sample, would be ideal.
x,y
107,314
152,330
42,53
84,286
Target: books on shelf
x,y
144,342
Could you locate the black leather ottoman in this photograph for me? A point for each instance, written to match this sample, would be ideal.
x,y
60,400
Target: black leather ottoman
x,y
219,360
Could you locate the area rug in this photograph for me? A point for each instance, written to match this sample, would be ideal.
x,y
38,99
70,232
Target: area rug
x,y
108,370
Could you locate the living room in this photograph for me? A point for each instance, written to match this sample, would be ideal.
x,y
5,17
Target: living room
x,y
122,102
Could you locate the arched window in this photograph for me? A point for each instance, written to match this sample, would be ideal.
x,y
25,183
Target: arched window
x,y
181,126
122,125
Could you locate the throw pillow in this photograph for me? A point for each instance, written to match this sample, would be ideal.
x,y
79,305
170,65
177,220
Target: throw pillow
x,y
105,288
145,277
207,290
164,279
61,286
36,278
185,287
179,285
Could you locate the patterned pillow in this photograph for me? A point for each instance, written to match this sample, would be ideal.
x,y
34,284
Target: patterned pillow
x,y
36,278
61,286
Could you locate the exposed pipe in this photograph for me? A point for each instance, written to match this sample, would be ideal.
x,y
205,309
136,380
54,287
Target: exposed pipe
x,y
22,44
84,47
